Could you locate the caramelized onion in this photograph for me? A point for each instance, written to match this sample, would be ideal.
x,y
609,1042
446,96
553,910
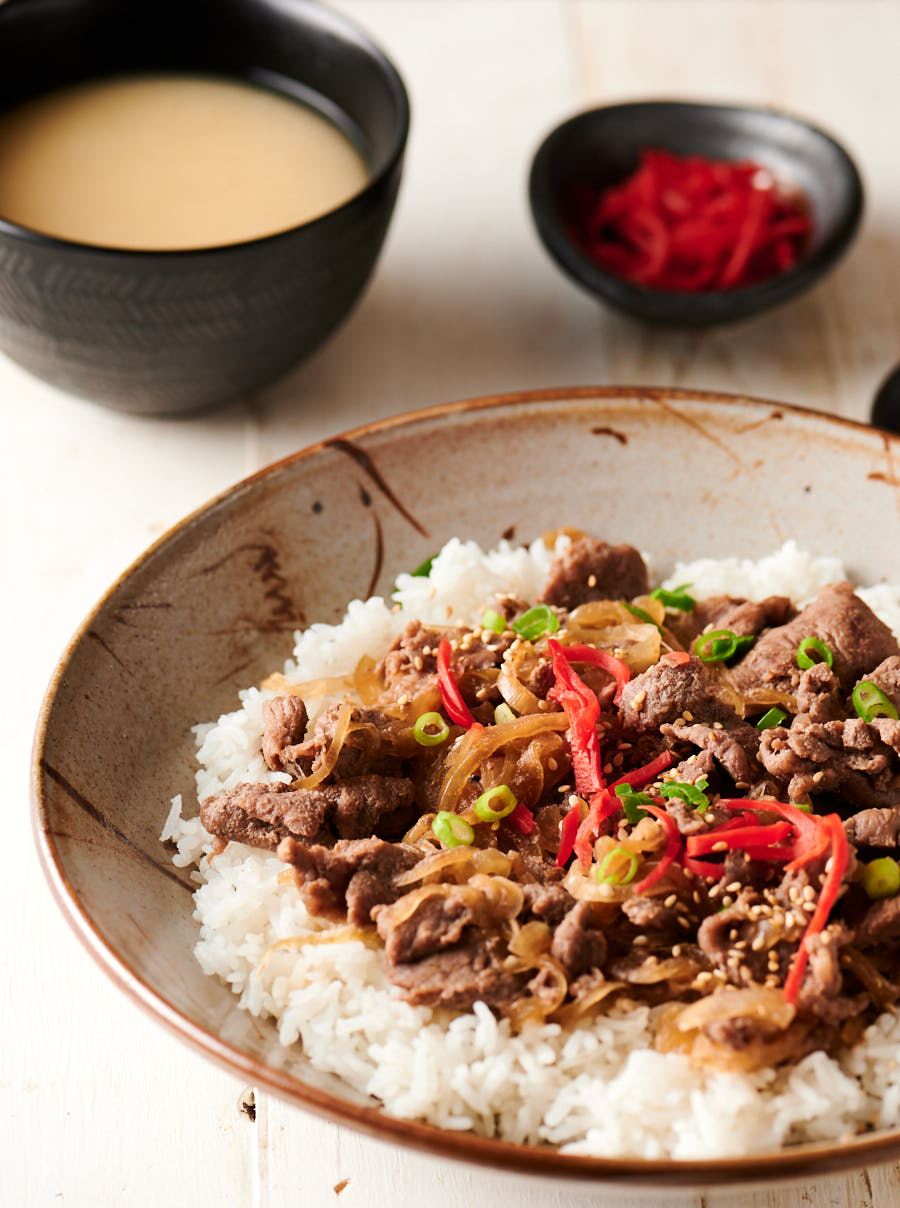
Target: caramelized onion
x,y
331,935
513,691
367,682
756,1002
462,862
478,744
326,767
324,686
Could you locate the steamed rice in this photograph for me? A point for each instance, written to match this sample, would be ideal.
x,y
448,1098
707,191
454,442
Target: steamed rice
x,y
598,1088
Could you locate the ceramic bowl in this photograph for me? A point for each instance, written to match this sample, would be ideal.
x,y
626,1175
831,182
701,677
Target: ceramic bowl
x,y
164,332
601,146
211,607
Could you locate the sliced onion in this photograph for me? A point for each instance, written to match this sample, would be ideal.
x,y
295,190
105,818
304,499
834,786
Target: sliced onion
x,y
367,682
756,1002
478,744
325,686
513,691
330,935
326,767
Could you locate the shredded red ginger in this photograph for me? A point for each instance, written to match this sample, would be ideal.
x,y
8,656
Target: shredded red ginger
x,y
691,224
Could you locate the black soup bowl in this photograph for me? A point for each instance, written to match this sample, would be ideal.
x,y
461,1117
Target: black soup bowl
x,y
600,147
159,332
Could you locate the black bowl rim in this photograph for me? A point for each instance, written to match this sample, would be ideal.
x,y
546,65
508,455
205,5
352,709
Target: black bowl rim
x,y
711,305
319,18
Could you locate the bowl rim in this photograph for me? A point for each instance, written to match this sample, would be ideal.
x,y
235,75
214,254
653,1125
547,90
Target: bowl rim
x,y
317,17
814,1159
747,299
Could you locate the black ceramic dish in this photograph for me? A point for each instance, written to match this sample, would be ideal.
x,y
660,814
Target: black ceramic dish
x,y
601,146
164,332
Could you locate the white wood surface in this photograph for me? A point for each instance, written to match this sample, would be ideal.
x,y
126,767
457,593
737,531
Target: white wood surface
x,y
99,1105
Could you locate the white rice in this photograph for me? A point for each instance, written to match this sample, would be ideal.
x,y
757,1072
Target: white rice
x,y
597,1089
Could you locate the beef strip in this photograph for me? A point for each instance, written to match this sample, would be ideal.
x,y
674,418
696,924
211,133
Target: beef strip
x,y
353,809
652,914
350,878
547,902
593,570
371,744
410,666
667,691
874,828
443,955
858,760
733,749
760,930
858,641
880,924
818,694
284,726
743,617
578,943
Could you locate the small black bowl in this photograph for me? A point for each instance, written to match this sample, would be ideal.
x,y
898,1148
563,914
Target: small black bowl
x,y
601,146
165,332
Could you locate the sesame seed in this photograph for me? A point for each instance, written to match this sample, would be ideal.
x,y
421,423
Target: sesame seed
x,y
732,935
574,799
741,945
592,581
695,897
637,701
717,725
552,764
794,894
607,768
676,951
565,788
759,943
683,922
808,893
403,699
639,940
720,846
734,887
818,777
728,900
670,900
679,722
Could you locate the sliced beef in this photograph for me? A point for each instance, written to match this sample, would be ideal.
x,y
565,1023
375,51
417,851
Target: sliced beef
x,y
858,760
578,943
447,954
874,828
352,809
880,924
262,814
593,570
886,676
667,691
410,666
233,815
350,878
652,914
743,617
548,902
734,749
759,930
838,617
818,694
371,744
284,726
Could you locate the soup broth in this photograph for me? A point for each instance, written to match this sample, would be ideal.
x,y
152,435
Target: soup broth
x,y
171,162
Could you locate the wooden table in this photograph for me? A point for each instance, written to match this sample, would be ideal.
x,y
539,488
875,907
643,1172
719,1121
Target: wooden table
x,y
100,1106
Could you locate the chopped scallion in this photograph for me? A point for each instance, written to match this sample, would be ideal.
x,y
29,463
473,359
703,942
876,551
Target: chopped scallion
x,y
804,661
677,598
881,878
496,803
430,730
870,702
720,645
536,622
615,878
774,717
631,803
452,830
642,615
693,794
423,571
503,713
493,620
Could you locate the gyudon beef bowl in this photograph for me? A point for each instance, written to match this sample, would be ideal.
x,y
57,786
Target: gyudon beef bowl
x,y
540,810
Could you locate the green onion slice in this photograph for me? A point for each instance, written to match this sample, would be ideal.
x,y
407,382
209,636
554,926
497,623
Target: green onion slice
x,y
493,621
631,803
720,645
430,730
452,830
677,598
881,878
804,662
536,622
693,794
774,717
423,571
503,713
496,803
642,615
869,702
614,878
